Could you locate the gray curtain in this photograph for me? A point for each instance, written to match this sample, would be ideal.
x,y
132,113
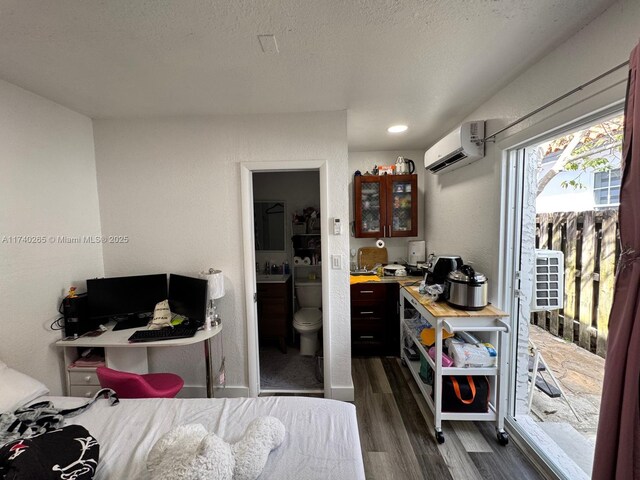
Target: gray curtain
x,y
617,454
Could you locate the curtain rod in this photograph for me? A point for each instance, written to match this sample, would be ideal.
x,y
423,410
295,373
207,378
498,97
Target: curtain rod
x,y
556,100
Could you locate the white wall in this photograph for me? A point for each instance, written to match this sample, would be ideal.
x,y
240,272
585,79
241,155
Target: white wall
x,y
47,188
365,161
173,186
463,206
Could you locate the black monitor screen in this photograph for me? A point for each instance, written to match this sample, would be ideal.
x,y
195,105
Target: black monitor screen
x,y
118,296
188,296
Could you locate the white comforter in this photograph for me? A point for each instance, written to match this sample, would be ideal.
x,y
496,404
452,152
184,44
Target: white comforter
x,y
321,442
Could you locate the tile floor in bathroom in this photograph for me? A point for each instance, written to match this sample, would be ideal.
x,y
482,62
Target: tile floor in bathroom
x,y
290,371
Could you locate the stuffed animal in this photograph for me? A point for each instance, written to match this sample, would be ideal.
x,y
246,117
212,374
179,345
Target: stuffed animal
x,y
189,452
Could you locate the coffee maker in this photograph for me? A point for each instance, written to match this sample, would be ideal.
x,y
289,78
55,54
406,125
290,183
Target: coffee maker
x,y
439,266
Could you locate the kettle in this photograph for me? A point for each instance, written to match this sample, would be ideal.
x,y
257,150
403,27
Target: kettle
x,y
405,166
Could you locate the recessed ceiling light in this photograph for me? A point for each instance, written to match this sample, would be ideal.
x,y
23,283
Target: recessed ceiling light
x,y
397,129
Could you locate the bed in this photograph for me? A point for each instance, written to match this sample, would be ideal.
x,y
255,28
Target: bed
x,y
321,439
321,435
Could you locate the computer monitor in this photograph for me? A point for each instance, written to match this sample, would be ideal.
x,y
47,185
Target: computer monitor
x,y
188,297
120,297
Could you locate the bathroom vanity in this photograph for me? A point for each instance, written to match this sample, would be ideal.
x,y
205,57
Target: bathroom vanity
x,y
275,308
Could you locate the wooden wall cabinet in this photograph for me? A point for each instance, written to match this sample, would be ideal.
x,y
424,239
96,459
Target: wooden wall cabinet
x,y
375,320
385,206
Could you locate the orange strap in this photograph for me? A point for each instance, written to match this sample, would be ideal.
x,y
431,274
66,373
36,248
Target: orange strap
x,y
456,388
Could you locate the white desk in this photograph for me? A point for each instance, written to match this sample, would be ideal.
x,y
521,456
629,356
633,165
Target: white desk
x,y
119,354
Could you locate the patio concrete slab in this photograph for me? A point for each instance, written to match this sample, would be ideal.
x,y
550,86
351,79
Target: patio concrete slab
x,y
580,374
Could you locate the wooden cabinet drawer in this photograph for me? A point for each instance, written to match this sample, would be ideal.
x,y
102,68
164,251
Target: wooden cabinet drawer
x,y
369,292
272,327
272,290
83,390
367,325
272,307
83,378
367,311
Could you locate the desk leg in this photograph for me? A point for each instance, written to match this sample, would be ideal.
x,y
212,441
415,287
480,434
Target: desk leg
x,y
207,361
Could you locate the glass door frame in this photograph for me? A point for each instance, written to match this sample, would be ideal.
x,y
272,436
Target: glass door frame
x,y
515,287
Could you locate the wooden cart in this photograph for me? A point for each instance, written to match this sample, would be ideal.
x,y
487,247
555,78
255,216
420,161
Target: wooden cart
x,y
440,315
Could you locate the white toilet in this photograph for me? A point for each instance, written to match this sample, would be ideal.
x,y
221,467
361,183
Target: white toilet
x,y
308,319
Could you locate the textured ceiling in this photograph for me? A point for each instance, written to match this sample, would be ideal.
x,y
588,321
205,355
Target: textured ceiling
x,y
426,63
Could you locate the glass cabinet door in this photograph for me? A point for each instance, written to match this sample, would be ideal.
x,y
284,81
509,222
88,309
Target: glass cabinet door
x,y
402,212
370,206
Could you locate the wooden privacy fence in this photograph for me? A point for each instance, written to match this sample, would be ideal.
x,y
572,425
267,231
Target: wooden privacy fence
x,y
590,243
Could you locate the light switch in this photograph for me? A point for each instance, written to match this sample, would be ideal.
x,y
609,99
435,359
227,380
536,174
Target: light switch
x,y
336,262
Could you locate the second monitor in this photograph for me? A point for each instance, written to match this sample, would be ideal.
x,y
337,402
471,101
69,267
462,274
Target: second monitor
x,y
188,297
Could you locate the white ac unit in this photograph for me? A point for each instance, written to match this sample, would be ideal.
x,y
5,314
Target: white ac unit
x,y
461,147
548,282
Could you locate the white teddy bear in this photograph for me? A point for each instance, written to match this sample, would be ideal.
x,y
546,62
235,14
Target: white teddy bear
x,y
189,452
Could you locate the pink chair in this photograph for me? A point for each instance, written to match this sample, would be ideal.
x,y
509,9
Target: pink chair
x,y
133,385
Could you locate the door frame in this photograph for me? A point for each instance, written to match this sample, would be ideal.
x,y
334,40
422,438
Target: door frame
x,y
517,265
246,181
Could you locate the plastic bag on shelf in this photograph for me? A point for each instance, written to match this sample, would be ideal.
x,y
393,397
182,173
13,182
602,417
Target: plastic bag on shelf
x,y
467,355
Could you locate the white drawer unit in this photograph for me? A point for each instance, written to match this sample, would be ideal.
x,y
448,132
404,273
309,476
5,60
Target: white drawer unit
x,y
87,391
82,381
84,377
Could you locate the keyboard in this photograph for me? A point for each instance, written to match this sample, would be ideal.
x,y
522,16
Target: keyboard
x,y
163,334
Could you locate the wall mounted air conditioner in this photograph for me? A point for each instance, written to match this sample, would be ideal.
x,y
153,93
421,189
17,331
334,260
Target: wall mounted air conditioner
x,y
461,147
548,281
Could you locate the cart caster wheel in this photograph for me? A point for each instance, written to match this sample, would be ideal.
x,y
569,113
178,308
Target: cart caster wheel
x,y
503,438
440,437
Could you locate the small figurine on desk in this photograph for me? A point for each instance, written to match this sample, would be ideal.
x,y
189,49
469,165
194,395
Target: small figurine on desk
x,y
72,292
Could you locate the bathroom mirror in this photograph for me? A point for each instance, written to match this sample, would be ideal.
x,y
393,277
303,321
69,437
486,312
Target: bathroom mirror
x,y
269,226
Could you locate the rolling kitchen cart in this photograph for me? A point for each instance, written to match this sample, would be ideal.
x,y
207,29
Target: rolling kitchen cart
x,y
440,315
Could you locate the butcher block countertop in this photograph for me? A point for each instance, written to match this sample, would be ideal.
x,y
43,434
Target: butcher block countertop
x,y
443,309
400,280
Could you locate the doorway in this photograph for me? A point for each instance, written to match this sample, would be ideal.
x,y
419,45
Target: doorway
x,y
288,254
564,189
285,279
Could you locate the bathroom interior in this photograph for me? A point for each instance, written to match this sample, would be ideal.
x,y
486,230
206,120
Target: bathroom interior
x,y
289,284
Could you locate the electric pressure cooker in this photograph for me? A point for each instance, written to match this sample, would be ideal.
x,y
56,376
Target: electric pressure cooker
x,y
466,289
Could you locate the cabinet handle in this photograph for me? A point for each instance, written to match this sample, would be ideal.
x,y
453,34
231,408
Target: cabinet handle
x,y
366,291
87,378
88,395
366,313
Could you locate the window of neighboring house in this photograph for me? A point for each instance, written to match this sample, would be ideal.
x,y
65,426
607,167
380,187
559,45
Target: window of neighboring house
x,y
606,188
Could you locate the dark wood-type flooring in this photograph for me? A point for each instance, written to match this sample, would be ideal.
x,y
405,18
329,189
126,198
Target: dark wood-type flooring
x,y
396,433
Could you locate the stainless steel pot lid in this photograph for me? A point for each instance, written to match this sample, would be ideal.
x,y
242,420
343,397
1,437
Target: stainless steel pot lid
x,y
467,274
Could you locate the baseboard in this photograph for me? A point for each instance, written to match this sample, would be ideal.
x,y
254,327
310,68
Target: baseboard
x,y
231,392
200,391
193,391
345,394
